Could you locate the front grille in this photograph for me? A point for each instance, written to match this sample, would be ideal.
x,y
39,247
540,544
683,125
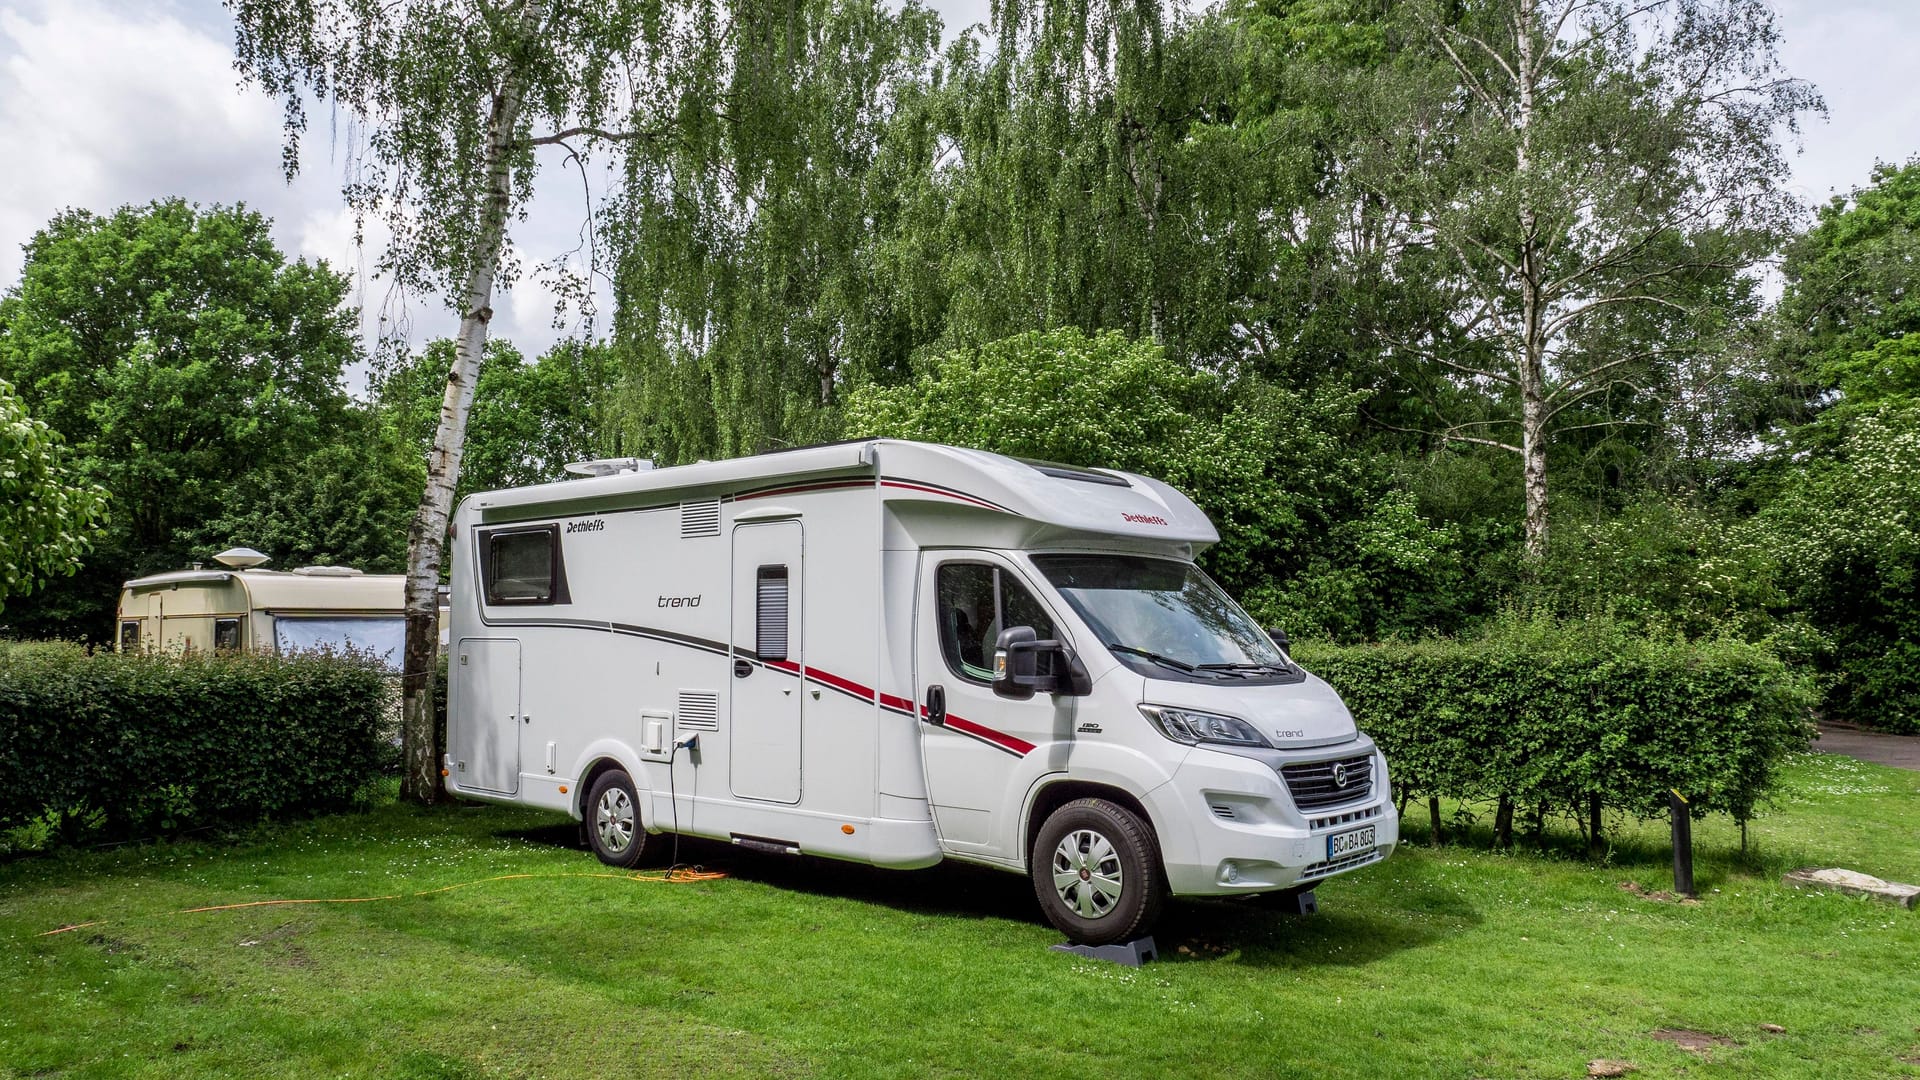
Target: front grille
x,y
1318,784
1350,816
1331,867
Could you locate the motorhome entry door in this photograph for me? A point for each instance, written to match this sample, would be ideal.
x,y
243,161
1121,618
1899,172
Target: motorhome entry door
x,y
768,667
485,743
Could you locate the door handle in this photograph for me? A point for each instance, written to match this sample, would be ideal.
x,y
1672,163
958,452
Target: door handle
x,y
937,705
742,669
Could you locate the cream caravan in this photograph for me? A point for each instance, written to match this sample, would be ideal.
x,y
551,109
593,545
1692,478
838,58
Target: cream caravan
x,y
244,607
897,653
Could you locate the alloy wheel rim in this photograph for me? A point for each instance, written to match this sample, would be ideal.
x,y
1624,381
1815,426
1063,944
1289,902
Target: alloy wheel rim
x,y
1087,874
613,820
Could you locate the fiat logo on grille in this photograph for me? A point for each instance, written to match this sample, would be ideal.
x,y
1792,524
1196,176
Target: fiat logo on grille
x,y
1340,774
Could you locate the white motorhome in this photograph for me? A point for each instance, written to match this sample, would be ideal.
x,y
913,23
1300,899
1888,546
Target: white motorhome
x,y
897,653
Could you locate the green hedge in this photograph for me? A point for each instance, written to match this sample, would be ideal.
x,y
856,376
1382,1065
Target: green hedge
x,y
137,744
1575,717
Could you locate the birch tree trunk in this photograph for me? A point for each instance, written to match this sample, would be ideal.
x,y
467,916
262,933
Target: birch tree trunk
x,y
426,540
1533,344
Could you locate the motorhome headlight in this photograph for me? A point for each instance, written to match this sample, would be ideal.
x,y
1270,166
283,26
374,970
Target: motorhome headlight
x,y
1190,727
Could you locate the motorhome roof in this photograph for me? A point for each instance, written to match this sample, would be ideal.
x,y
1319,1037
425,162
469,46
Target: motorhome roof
x,y
1101,501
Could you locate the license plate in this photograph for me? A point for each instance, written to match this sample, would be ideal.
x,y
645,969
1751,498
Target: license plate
x,y
1341,845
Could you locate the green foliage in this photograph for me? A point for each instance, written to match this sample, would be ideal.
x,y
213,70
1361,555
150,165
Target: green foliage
x,y
176,352
47,518
1850,283
131,744
1550,714
1848,530
528,420
1265,463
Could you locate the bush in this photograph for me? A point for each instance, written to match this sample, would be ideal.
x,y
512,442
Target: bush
x,y
1575,716
131,745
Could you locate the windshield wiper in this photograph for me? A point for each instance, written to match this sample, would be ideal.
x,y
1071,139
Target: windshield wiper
x,y
1177,665
1282,668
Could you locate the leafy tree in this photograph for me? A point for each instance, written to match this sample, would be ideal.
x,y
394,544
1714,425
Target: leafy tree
x,y
1848,531
175,350
46,517
1598,174
528,420
452,100
1850,307
1268,465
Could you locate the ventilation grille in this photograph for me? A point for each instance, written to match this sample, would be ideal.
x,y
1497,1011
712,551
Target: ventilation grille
x,y
700,519
699,711
1331,820
1222,811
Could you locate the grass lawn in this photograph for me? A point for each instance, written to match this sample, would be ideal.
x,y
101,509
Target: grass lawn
x,y
1452,962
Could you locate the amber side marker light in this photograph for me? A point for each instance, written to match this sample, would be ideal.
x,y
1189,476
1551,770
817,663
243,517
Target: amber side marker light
x,y
443,772
563,789
848,829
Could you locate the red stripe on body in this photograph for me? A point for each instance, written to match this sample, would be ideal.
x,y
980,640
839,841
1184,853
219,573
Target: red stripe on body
x,y
958,723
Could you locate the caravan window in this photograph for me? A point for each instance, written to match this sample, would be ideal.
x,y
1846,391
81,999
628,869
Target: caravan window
x,y
975,601
385,636
129,635
523,566
226,633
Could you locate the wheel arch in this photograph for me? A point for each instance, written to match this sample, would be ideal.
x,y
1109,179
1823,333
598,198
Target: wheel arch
x,y
1058,793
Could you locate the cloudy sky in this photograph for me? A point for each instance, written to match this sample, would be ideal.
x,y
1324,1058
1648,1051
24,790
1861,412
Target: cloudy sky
x,y
106,102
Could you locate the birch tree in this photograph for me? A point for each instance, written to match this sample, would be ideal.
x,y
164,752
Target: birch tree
x,y
450,107
1599,176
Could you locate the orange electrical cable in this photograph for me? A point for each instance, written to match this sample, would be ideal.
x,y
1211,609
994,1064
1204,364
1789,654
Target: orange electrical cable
x,y
673,875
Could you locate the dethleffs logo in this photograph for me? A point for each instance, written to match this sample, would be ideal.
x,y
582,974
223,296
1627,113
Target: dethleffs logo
x,y
594,525
1145,519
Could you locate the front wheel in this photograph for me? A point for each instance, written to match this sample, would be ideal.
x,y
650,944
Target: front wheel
x,y
1096,872
613,820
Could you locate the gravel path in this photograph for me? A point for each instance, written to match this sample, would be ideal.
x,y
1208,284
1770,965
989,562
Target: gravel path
x,y
1899,751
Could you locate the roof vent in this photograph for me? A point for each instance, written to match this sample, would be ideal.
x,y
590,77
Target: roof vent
x,y
241,558
1071,472
328,571
612,466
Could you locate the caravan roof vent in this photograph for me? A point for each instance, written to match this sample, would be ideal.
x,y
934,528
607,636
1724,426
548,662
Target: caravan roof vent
x,y
240,558
612,466
329,571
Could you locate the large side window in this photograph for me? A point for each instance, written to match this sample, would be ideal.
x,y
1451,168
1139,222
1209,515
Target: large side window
x,y
975,601
523,566
129,635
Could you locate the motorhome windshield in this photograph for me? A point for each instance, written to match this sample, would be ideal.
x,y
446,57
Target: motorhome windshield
x,y
1165,619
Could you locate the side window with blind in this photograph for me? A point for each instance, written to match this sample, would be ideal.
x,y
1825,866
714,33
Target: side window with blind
x,y
770,613
523,566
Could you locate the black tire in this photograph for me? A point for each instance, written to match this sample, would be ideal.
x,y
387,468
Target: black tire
x,y
1116,860
612,818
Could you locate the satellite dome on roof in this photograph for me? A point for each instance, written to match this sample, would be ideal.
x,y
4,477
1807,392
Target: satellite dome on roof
x,y
241,558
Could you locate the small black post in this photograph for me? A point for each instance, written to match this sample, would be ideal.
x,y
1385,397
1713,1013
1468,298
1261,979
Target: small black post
x,y
1682,845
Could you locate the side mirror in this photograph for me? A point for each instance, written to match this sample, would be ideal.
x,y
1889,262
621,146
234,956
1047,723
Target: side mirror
x,y
1016,666
1279,637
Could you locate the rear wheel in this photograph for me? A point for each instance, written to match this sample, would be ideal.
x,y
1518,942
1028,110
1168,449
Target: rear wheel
x,y
613,820
1096,872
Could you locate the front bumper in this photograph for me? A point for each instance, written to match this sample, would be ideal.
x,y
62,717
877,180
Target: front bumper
x,y
1246,834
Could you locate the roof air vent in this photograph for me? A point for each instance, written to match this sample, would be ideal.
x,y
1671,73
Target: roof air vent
x,y
328,571
612,466
241,558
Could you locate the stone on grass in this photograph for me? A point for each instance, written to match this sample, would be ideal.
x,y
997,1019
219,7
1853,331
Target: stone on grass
x,y
1608,1067
1848,881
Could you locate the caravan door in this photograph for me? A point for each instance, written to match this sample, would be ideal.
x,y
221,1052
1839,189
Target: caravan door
x,y
485,744
765,715
973,751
